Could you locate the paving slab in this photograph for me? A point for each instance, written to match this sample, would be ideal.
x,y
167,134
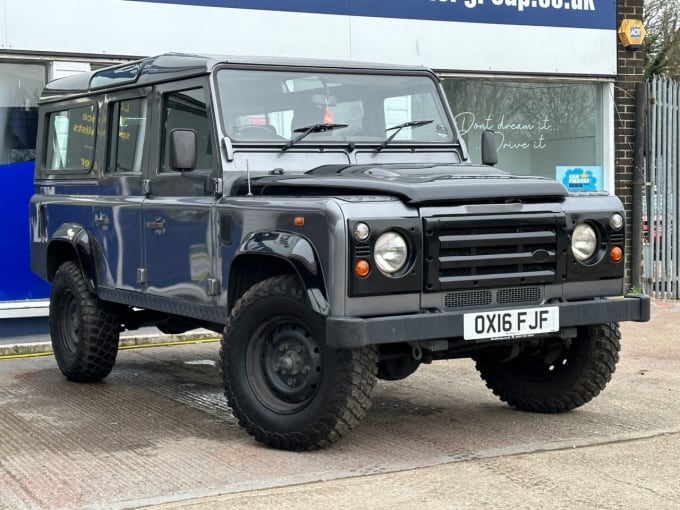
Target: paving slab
x,y
158,431
632,475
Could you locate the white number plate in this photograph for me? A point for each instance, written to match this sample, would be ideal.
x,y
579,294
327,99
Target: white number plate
x,y
511,323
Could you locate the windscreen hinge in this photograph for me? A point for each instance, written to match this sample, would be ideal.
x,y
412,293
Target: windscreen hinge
x,y
217,186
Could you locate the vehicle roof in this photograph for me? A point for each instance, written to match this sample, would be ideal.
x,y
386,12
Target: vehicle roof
x,y
172,66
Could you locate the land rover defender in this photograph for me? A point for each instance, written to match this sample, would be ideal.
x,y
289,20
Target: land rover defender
x,y
326,219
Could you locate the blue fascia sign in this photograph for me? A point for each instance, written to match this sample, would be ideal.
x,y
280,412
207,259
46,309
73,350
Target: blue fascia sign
x,y
595,14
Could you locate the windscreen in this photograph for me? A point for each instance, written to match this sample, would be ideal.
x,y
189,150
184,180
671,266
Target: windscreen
x,y
355,108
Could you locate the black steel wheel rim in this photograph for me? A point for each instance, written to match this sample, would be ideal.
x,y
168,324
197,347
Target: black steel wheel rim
x,y
69,325
284,365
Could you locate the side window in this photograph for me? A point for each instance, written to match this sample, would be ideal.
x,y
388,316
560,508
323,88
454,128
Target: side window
x,y
187,109
70,139
126,136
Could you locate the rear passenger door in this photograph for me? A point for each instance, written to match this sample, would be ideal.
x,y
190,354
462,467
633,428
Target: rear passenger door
x,y
177,213
117,212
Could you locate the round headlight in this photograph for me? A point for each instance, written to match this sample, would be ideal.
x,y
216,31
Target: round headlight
x,y
390,253
583,242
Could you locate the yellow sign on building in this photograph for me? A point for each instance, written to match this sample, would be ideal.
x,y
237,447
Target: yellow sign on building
x,y
631,33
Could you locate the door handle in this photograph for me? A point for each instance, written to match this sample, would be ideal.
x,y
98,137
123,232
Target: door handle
x,y
157,225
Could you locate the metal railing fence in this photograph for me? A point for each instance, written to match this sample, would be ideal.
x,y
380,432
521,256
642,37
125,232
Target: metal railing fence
x,y
661,268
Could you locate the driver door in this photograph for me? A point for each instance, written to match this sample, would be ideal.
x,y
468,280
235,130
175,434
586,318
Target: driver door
x,y
177,215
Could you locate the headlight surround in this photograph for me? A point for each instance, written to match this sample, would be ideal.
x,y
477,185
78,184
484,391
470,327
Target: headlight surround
x,y
584,242
390,253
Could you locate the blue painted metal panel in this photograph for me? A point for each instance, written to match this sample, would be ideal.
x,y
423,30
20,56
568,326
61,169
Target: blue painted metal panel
x,y
17,282
599,14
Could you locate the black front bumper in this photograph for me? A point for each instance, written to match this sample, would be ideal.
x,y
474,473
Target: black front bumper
x,y
352,332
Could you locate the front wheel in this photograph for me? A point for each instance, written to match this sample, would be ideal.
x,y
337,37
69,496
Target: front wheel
x,y
556,378
286,387
84,330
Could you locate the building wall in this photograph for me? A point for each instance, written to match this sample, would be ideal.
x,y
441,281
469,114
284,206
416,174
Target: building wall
x,y
630,72
556,37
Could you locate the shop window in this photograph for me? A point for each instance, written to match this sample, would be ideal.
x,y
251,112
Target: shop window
x,y
20,86
550,129
71,138
128,133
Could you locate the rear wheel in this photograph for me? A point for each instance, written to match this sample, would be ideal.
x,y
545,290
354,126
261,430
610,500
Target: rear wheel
x,y
286,387
84,330
557,378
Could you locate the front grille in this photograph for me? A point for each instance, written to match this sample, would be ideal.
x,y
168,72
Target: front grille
x,y
520,295
467,252
487,297
467,299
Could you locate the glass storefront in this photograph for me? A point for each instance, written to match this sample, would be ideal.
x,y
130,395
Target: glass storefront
x,y
551,129
555,129
20,87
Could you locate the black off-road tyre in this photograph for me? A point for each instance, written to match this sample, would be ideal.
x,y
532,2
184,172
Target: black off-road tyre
x,y
286,387
557,381
84,330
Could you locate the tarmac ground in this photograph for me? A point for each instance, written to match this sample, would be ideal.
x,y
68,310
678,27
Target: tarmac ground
x,y
158,433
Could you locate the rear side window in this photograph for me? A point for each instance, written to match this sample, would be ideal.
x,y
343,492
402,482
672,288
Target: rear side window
x,y
127,135
70,139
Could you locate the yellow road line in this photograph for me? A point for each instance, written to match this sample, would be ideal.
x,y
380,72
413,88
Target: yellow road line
x,y
30,355
169,344
122,348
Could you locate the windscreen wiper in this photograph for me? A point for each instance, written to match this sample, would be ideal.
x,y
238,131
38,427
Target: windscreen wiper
x,y
399,127
314,128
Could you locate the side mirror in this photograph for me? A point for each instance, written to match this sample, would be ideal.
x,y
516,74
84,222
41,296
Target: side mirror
x,y
489,148
183,149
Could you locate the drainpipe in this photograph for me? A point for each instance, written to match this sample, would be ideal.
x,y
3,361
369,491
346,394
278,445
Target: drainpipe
x,y
637,182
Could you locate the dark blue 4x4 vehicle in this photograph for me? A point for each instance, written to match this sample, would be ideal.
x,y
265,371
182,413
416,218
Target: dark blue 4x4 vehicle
x,y
326,218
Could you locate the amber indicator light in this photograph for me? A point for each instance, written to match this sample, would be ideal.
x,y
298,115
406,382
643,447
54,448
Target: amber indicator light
x,y
299,221
616,254
361,268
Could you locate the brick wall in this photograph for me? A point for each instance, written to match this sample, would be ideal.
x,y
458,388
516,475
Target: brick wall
x,y
630,72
